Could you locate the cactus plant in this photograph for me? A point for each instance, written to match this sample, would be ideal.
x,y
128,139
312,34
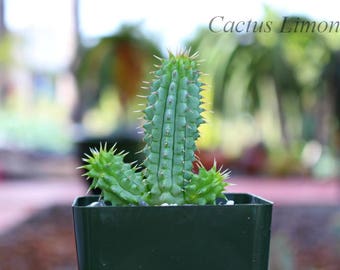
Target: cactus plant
x,y
172,117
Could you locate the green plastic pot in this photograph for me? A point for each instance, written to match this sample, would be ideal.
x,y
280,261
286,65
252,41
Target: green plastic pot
x,y
232,237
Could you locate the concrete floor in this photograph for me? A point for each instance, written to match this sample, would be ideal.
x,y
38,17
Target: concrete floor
x,y
22,198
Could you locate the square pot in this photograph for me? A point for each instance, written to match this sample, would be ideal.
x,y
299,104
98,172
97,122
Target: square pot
x,y
210,237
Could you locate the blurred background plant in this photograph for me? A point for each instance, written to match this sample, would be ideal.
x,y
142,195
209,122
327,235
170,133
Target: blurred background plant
x,y
30,110
275,96
113,70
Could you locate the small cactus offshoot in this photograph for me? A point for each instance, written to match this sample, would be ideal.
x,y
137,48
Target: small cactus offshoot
x,y
206,186
172,117
119,182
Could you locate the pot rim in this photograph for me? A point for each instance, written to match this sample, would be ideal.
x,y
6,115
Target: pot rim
x,y
254,200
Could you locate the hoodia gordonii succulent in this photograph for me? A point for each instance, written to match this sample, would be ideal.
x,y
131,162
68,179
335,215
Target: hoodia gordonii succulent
x,y
171,120
119,182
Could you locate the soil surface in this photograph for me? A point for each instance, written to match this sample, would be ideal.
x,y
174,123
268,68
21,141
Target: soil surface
x,y
303,238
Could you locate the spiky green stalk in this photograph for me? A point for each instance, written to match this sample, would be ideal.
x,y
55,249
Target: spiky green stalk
x,y
119,182
206,186
172,117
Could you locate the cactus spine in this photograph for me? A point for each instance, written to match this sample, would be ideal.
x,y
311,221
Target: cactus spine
x,y
172,117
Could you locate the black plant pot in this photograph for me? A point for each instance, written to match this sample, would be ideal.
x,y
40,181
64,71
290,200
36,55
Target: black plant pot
x,y
234,237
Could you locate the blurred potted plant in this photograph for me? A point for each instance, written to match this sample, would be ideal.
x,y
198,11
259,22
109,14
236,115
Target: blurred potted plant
x,y
166,216
274,79
117,63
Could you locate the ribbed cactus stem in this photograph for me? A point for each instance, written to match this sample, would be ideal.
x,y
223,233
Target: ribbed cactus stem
x,y
172,116
119,182
206,186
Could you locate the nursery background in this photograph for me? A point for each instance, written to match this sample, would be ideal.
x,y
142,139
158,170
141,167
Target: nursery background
x,y
70,76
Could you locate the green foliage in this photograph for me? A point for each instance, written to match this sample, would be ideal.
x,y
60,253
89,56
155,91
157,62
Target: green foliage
x,y
172,118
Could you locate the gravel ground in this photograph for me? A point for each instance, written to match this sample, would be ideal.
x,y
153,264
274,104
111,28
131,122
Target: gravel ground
x,y
303,238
